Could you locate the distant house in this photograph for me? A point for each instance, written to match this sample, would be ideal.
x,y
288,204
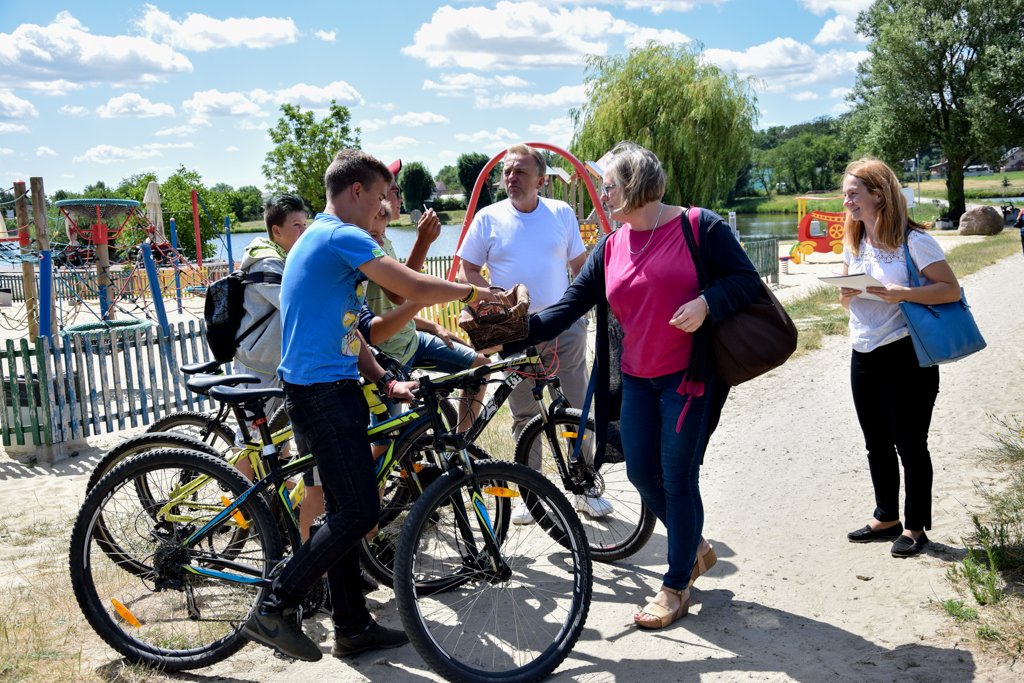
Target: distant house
x,y
1012,161
940,168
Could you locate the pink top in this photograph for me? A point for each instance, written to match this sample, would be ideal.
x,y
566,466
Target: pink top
x,y
645,290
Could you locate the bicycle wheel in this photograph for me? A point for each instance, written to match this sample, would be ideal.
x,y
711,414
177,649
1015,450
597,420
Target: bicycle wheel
x,y
378,555
517,623
629,524
169,616
199,426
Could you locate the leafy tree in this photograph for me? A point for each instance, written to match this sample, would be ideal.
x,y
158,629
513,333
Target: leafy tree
x,y
417,185
246,203
449,175
304,148
176,198
944,72
223,188
698,119
469,166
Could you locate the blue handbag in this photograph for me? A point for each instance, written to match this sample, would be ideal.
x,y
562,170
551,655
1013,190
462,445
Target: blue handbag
x,y
942,333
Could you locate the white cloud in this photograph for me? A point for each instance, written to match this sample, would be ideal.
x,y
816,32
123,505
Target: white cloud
x,y
841,107
459,84
200,33
654,6
414,119
13,107
366,125
512,81
839,92
327,36
847,8
784,63
805,96
108,154
74,110
311,96
231,149
514,35
839,30
565,97
499,134
168,145
45,151
447,154
62,56
387,106
5,151
665,36
399,142
556,131
13,128
249,125
133,104
180,131
215,103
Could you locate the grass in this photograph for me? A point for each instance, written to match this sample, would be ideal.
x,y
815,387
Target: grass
x,y
993,571
972,257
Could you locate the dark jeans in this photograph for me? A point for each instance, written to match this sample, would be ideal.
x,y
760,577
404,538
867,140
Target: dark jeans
x,y
331,419
894,397
664,465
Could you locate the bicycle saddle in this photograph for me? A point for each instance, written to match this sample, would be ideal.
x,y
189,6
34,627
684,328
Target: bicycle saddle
x,y
201,384
237,396
197,368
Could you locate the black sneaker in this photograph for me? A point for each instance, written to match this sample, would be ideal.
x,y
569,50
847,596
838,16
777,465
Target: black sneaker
x,y
283,633
375,637
866,533
905,546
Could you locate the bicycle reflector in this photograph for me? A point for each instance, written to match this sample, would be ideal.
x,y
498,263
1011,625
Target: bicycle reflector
x,y
501,492
236,515
125,614
572,435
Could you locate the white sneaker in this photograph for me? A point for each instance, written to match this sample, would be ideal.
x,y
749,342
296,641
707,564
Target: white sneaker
x,y
521,514
595,506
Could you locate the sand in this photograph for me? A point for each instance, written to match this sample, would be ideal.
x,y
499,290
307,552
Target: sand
x,y
784,479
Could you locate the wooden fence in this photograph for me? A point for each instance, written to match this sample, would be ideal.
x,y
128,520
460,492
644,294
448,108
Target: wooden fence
x,y
764,254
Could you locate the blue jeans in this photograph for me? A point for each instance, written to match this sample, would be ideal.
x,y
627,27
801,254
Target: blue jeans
x,y
664,465
331,420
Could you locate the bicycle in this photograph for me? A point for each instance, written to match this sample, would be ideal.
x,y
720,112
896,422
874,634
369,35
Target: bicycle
x,y
203,575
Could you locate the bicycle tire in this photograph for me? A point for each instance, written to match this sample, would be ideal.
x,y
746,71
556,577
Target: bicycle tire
x,y
518,627
169,631
630,524
192,423
377,556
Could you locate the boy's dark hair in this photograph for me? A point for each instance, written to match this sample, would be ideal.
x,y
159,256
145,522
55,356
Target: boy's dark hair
x,y
352,166
277,209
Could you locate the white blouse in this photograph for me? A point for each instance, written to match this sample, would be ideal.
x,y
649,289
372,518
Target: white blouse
x,y
876,323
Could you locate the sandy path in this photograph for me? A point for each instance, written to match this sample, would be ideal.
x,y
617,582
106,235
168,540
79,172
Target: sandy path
x,y
785,478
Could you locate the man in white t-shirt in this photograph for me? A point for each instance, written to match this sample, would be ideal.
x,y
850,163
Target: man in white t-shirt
x,y
535,241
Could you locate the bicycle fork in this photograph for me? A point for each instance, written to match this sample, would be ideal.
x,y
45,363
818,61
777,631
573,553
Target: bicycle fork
x,y
497,563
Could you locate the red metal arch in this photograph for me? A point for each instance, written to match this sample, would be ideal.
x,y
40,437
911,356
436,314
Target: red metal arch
x,y
482,178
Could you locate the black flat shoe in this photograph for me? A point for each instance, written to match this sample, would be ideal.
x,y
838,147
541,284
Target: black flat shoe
x,y
905,546
865,534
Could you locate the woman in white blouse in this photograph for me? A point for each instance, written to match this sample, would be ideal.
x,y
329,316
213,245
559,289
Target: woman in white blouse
x,y
893,395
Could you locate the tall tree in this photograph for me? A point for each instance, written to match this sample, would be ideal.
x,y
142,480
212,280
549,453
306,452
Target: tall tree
x,y
417,185
304,148
469,166
698,119
449,175
945,72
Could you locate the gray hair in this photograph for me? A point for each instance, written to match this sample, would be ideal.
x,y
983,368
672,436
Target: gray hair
x,y
525,150
638,173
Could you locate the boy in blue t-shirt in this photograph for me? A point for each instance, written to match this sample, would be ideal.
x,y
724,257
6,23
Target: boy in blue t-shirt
x,y
321,294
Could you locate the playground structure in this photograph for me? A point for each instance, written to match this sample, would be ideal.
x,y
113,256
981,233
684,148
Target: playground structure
x,y
812,235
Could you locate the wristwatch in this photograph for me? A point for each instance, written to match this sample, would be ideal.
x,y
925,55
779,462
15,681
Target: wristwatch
x,y
386,379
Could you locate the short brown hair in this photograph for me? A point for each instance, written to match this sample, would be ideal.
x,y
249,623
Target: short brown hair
x,y
638,173
892,224
351,166
527,151
278,208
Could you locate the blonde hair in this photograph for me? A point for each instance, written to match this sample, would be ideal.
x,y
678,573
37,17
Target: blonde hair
x,y
385,210
525,150
638,173
892,223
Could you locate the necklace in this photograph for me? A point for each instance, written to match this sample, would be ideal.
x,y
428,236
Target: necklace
x,y
656,221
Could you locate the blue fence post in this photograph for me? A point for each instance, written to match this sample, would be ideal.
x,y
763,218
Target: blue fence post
x,y
177,274
154,287
227,231
45,292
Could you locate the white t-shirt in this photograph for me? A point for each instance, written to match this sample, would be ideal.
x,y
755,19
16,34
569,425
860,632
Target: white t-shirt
x,y
529,248
876,323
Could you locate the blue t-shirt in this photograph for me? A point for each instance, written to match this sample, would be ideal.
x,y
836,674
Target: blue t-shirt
x,y
321,293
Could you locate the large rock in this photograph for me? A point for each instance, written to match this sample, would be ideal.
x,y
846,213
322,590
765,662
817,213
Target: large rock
x,y
981,220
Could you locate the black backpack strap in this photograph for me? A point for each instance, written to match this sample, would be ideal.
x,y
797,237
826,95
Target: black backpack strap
x,y
262,277
256,324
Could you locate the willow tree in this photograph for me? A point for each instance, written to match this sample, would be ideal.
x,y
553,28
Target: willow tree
x,y
696,117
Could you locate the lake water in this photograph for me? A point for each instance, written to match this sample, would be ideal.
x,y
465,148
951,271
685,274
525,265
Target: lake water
x,y
782,226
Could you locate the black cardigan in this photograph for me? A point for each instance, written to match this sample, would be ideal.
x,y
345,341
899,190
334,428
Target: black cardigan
x,y
735,283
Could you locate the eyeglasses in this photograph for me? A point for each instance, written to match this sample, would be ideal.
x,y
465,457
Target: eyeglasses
x,y
398,192
606,189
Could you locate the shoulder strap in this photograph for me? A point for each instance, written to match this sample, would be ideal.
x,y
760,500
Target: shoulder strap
x,y
693,213
911,268
252,328
262,276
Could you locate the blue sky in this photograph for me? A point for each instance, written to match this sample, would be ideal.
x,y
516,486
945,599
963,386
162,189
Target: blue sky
x,y
99,91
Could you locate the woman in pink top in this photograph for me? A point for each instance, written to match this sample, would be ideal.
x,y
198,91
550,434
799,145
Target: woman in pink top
x,y
655,381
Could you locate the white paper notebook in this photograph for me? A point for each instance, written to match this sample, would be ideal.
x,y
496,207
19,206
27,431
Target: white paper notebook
x,y
859,281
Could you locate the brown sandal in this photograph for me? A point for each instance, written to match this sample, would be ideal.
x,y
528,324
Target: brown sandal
x,y
662,615
705,560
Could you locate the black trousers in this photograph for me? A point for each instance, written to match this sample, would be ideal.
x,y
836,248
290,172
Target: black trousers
x,y
894,398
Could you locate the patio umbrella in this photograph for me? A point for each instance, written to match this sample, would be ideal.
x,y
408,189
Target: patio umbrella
x,y
154,212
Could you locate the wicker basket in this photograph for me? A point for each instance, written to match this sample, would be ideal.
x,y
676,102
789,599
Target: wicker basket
x,y
502,323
